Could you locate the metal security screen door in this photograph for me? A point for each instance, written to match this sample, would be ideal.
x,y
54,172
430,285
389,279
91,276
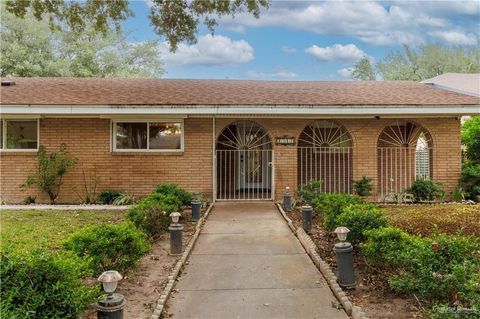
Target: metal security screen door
x,y
244,160
324,154
405,152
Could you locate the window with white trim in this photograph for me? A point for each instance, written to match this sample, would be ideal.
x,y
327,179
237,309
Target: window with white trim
x,y
161,136
19,134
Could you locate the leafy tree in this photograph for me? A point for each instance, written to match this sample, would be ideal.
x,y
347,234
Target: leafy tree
x,y
422,63
363,70
30,48
471,138
51,169
177,20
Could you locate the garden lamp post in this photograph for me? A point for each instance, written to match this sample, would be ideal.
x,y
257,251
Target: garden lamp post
x,y
307,214
110,307
287,200
344,256
175,235
196,207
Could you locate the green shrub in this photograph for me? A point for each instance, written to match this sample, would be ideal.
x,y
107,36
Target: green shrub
x,y
107,196
470,179
363,187
359,218
309,191
332,205
441,268
471,138
44,285
48,176
109,246
151,214
388,246
423,190
173,189
458,194
124,199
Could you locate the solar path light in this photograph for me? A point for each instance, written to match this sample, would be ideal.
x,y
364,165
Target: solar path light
x,y
175,235
196,207
287,200
344,256
307,214
110,307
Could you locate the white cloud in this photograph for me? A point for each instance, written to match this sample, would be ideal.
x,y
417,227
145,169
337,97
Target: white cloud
x,y
336,52
280,74
374,22
455,37
287,49
209,50
345,72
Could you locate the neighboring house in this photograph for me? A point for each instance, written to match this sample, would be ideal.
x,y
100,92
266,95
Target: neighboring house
x,y
232,139
466,83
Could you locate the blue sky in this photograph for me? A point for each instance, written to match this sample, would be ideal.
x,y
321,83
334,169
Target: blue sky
x,y
311,40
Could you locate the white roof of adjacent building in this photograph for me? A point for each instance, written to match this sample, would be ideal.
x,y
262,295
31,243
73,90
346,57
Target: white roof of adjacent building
x,y
466,83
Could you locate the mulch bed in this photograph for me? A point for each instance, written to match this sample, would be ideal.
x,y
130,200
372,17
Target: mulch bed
x,y
372,292
143,286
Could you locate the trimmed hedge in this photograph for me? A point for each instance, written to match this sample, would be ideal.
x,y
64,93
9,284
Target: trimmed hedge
x,y
359,218
182,195
330,206
108,247
442,268
44,285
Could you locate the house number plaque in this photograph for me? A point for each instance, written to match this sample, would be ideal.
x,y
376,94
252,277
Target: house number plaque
x,y
285,140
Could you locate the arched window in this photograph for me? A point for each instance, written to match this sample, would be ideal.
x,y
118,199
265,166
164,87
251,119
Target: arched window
x,y
405,151
325,154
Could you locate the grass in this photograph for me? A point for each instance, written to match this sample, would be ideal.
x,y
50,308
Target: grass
x,y
423,220
26,230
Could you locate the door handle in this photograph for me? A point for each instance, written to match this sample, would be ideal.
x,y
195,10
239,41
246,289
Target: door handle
x,y
270,164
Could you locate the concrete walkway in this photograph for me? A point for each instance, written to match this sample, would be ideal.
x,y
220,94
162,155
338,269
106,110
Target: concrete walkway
x,y
248,264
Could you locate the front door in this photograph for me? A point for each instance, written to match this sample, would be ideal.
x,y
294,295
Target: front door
x,y
244,162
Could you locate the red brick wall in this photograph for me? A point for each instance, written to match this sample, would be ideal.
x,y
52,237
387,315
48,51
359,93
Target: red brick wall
x,y
138,173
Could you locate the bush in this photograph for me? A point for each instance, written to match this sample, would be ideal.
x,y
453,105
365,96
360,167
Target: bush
x,y
44,285
48,176
114,197
441,268
107,196
151,214
331,205
109,246
425,190
359,218
470,179
309,191
363,187
173,189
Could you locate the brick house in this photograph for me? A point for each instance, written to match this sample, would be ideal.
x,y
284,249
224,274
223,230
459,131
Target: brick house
x,y
232,139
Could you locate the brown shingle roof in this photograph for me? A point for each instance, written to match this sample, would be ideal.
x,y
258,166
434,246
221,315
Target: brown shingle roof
x,y
121,91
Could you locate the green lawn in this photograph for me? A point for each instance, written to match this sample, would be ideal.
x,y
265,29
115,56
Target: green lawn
x,y
49,228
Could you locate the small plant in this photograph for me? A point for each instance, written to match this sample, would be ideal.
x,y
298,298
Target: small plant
x,y
426,190
309,191
151,214
88,192
470,179
115,197
29,200
50,172
123,199
363,187
107,246
44,285
359,218
173,189
458,194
